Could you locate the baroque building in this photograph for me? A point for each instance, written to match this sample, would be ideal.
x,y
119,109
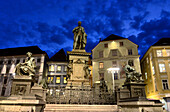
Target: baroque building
x,y
114,52
155,66
10,57
57,70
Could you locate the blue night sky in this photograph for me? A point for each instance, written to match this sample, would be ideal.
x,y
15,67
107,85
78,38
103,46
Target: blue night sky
x,y
49,23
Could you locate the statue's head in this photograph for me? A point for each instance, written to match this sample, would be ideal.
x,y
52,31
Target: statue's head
x,y
79,23
29,54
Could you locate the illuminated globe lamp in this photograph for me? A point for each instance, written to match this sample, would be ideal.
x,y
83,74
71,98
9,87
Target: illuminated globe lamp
x,y
113,71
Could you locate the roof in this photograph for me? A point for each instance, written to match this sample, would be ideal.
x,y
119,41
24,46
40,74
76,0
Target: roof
x,y
163,42
21,51
113,37
60,56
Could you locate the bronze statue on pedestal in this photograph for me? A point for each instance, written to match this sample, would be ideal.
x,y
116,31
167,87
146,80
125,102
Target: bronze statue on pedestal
x,y
80,37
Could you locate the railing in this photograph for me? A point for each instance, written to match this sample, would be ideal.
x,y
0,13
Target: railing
x,y
80,95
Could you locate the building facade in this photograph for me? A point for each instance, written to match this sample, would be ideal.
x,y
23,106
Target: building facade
x,y
57,71
155,66
10,57
114,52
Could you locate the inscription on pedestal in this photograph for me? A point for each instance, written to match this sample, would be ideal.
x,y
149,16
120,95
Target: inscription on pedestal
x,y
78,72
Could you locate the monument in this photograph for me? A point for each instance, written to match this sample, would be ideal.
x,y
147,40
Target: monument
x,y
78,69
26,94
132,97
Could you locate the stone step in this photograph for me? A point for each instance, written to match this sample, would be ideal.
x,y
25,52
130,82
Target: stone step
x,y
80,108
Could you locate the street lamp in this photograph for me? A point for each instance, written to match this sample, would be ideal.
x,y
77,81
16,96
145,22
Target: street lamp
x,y
113,70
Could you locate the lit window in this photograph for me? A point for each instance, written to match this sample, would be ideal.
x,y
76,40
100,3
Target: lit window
x,y
105,45
147,60
146,75
159,53
156,89
121,44
114,63
59,68
162,67
153,69
130,62
51,79
168,52
101,76
101,54
51,68
115,76
48,80
165,84
57,80
129,51
65,68
101,65
114,52
65,81
151,56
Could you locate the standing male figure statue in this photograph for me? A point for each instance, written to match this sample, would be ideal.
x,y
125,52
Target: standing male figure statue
x,y
80,37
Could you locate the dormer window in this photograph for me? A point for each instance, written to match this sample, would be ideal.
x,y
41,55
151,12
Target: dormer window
x,y
106,45
121,44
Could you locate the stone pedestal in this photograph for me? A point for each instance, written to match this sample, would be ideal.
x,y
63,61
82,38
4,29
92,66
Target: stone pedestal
x,y
135,89
38,90
78,59
21,85
24,98
132,98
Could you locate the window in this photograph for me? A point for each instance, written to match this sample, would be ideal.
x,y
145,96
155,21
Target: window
x,y
51,68
151,56
115,76
129,51
106,45
48,79
18,61
162,67
101,65
114,52
168,52
5,80
57,80
114,63
159,53
1,62
65,81
9,61
130,62
101,54
121,44
165,84
101,76
153,70
59,68
38,60
146,75
147,60
156,89
65,68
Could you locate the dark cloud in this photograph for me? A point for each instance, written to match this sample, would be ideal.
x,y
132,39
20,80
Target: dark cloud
x,y
152,31
49,24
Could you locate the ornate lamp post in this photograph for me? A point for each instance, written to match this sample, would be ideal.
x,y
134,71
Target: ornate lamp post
x,y
113,70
